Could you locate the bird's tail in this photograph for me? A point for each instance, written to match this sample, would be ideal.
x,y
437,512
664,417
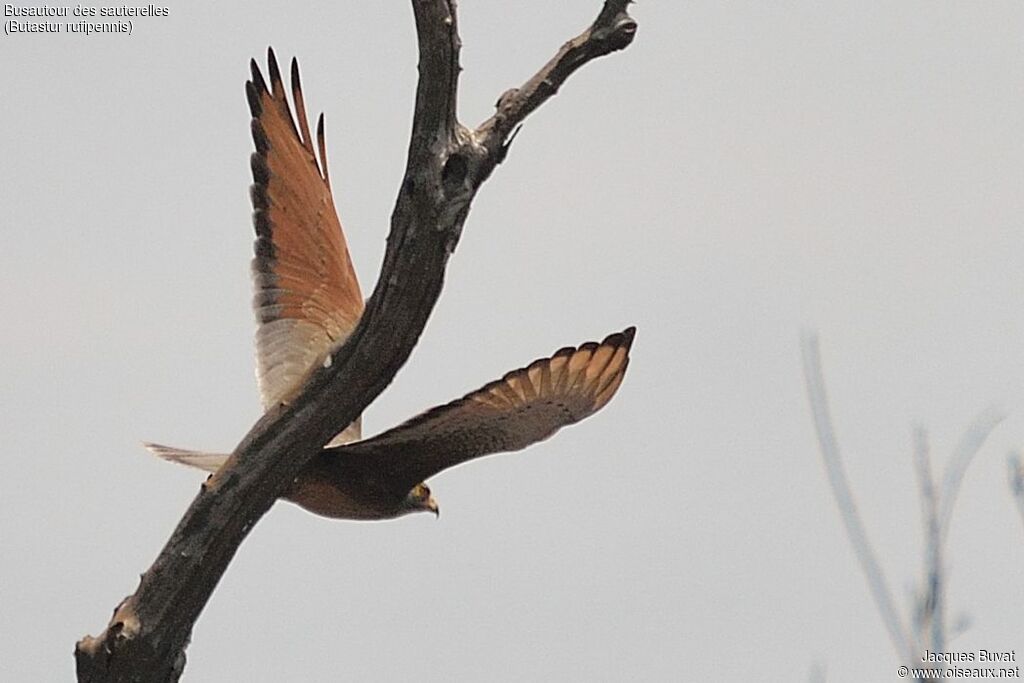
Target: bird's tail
x,y
209,462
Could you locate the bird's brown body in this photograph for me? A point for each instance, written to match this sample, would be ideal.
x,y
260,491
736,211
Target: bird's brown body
x,y
308,300
322,494
340,487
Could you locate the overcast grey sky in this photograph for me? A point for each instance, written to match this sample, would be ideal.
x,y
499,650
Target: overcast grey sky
x,y
743,171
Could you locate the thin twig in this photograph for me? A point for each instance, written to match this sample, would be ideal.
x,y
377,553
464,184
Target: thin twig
x,y
613,30
818,398
968,446
929,613
1016,471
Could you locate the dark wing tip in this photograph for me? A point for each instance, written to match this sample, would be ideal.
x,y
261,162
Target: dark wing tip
x,y
537,363
260,171
509,375
263,247
296,82
564,351
257,77
259,137
623,339
321,144
275,72
300,109
258,196
253,95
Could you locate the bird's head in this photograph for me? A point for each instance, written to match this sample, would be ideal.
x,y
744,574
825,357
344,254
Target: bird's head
x,y
420,500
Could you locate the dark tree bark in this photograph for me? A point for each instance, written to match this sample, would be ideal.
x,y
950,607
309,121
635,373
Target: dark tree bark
x,y
149,631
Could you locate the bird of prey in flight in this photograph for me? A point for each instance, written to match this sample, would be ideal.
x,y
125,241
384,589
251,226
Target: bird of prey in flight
x,y
307,301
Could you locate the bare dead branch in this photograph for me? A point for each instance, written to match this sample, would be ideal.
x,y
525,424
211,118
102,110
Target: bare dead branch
x,y
147,636
818,398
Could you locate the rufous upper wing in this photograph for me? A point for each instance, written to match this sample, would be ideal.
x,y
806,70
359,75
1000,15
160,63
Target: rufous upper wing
x,y
307,296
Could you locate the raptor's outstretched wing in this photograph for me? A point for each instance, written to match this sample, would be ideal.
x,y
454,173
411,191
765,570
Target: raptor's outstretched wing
x,y
521,408
307,296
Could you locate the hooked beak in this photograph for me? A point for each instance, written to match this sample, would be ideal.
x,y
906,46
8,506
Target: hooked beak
x,y
432,506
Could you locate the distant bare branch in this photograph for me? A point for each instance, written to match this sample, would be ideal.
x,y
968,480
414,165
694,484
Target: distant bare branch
x,y
929,615
1016,467
968,446
818,398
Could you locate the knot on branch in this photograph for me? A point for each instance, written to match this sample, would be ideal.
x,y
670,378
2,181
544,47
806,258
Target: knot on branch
x,y
505,97
453,176
621,33
463,172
